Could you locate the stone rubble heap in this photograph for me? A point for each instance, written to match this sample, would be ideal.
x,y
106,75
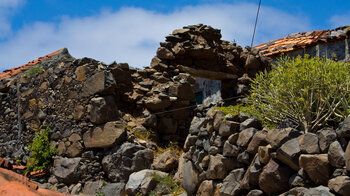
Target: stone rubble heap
x,y
199,47
235,155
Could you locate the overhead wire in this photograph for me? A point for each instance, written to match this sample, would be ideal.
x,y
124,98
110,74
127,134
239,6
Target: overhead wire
x,y
256,23
196,105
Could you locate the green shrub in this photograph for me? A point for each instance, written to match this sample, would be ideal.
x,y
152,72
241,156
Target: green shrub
x,y
168,182
347,29
235,110
308,91
34,70
41,151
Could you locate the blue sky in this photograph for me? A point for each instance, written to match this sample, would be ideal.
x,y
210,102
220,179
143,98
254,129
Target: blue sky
x,y
130,30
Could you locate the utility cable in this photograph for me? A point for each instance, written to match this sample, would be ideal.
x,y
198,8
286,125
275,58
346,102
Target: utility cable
x,y
194,106
241,96
256,22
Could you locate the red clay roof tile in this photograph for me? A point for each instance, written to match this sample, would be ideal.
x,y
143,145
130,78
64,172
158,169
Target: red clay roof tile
x,y
301,40
14,71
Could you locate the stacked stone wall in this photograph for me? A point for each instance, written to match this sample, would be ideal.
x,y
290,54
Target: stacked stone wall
x,y
235,155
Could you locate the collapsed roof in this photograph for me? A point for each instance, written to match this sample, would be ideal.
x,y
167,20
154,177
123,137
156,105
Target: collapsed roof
x,y
302,40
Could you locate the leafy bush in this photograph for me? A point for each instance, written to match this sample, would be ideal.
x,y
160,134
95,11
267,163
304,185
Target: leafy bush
x,y
308,91
235,110
41,151
167,182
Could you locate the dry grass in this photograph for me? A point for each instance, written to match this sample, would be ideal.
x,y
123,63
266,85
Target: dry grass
x,y
173,146
150,137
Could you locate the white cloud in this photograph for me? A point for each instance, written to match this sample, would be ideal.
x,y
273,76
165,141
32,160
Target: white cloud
x,y
133,34
340,20
7,8
10,3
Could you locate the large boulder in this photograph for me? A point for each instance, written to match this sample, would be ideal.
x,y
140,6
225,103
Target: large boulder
x,y
251,177
197,124
259,139
142,181
218,119
190,141
274,178
325,137
232,183
228,127
113,189
309,143
347,157
190,180
230,150
206,188
112,133
336,155
343,130
167,161
320,190
245,136
156,103
80,73
101,82
264,153
277,137
129,158
217,168
103,109
182,91
179,172
340,185
251,122
92,187
164,53
289,153
316,166
66,170
74,150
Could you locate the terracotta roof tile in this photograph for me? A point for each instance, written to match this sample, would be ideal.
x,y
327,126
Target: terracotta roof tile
x,y
14,71
301,40
12,183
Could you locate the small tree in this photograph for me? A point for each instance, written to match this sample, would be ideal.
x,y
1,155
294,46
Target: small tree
x,y
41,151
308,91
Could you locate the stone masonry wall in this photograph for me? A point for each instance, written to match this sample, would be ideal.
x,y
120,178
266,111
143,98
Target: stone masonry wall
x,y
235,155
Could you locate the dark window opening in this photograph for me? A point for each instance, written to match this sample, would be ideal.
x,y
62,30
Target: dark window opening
x,y
199,97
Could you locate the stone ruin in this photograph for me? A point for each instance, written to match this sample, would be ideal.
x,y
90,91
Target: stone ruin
x,y
76,92
95,112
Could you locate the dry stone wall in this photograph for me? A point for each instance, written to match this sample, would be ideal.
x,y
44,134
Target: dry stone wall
x,y
235,155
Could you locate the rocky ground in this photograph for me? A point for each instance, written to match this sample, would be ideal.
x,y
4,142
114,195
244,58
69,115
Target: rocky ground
x,y
120,130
